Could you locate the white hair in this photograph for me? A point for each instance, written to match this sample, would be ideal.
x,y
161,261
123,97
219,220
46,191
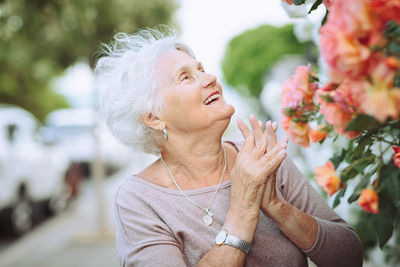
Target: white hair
x,y
127,84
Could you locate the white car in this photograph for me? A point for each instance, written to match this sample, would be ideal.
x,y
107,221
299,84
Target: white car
x,y
81,133
31,173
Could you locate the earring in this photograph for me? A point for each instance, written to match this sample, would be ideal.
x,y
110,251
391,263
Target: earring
x,y
165,133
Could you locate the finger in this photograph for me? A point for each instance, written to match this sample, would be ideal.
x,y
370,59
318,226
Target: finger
x,y
271,137
280,146
275,126
243,128
248,144
272,165
256,129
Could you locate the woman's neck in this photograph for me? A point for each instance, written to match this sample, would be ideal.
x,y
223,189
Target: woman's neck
x,y
195,161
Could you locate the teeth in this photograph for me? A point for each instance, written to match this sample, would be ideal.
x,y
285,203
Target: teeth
x,y
211,98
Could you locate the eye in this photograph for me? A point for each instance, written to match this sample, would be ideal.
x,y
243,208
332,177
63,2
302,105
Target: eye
x,y
184,77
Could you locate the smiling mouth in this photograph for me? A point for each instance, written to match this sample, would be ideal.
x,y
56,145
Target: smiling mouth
x,y
212,98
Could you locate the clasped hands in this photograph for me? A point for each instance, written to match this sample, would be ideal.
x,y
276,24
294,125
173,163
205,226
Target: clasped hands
x,y
254,176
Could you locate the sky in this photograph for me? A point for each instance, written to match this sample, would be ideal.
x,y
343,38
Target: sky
x,y
208,25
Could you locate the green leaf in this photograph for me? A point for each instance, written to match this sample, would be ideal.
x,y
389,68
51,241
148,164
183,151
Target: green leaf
x,y
394,48
299,2
315,6
360,167
361,144
383,222
390,182
357,191
348,173
397,80
363,122
338,196
338,158
325,18
327,98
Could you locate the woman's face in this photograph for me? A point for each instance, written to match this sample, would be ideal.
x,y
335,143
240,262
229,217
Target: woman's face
x,y
192,99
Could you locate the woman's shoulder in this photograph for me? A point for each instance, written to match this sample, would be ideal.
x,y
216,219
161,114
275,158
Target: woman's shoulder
x,y
154,174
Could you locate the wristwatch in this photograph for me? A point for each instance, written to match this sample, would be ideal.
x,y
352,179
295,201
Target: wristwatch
x,y
224,238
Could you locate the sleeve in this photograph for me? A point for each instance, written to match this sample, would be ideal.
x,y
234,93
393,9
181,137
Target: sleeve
x,y
337,244
142,238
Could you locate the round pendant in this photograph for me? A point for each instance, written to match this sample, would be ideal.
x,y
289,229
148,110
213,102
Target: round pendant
x,y
207,219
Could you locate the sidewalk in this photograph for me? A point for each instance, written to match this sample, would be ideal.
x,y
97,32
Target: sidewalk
x,y
75,238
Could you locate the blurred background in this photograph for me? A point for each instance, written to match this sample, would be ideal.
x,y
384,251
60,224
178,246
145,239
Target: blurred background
x,y
59,165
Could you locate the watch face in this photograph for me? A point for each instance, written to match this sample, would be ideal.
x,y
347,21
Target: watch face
x,y
221,237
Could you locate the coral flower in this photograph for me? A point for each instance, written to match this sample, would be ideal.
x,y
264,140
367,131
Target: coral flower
x,y
396,156
326,177
318,134
387,9
356,17
297,92
369,201
298,132
383,100
343,52
328,3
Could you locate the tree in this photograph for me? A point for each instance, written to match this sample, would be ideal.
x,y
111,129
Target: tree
x,y
250,55
39,39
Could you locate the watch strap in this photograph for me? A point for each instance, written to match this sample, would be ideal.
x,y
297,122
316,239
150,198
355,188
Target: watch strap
x,y
237,243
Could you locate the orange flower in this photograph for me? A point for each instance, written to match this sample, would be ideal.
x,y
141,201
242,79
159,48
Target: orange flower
x,y
396,156
369,201
299,133
326,177
318,134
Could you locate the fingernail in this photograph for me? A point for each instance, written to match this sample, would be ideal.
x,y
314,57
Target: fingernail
x,y
274,125
252,116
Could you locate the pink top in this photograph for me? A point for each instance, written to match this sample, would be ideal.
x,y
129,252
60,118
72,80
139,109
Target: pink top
x,y
157,226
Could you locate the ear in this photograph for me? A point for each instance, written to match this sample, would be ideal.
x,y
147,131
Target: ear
x,y
152,121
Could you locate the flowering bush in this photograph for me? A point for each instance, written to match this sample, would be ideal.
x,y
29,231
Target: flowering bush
x,y
360,42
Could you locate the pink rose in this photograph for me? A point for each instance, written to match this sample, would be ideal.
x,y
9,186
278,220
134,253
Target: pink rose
x,y
396,156
328,3
297,92
356,17
336,111
343,52
354,94
383,100
387,9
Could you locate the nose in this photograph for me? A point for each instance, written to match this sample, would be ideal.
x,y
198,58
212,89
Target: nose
x,y
209,80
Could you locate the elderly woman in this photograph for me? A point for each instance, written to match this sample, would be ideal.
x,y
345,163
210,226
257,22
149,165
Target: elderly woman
x,y
205,201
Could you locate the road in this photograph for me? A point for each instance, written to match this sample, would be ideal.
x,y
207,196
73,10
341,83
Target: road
x,y
81,236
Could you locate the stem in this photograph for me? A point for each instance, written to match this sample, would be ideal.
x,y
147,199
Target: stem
x,y
355,163
386,141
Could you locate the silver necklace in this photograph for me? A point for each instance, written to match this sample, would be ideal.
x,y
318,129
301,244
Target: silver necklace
x,y
207,218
